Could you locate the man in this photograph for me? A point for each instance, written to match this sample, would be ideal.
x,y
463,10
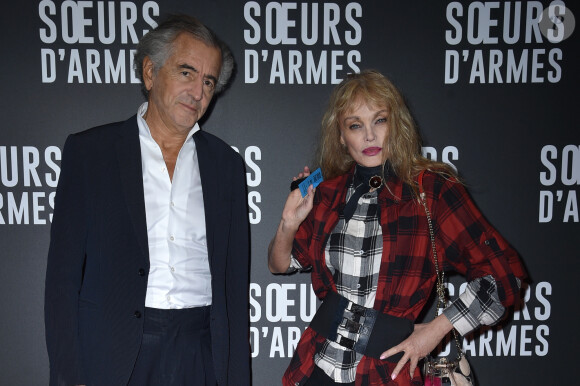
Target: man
x,y
147,277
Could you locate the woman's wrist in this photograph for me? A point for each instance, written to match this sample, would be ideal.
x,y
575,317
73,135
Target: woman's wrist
x,y
442,325
288,227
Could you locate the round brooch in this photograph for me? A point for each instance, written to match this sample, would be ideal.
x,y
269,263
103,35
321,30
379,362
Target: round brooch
x,y
375,182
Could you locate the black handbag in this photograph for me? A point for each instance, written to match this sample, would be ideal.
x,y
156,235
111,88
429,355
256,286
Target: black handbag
x,y
441,371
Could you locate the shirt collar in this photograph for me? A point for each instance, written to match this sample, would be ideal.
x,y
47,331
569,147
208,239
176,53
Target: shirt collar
x,y
144,127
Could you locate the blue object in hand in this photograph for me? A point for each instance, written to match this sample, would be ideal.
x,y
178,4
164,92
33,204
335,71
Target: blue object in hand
x,y
314,179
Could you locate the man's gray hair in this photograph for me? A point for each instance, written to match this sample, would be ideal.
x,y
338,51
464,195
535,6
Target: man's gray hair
x,y
158,44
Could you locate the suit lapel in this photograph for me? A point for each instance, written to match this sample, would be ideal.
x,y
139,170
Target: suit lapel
x,y
129,155
208,184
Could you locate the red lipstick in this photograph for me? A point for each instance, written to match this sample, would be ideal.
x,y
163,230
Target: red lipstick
x,y
370,151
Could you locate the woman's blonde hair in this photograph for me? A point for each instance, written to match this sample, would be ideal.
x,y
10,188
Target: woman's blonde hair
x,y
402,143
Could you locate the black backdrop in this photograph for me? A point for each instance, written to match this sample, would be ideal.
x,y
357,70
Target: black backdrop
x,y
491,87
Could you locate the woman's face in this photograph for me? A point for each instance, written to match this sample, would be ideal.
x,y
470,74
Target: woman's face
x,y
363,130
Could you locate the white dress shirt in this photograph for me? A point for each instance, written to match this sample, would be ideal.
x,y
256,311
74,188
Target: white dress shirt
x,y
179,275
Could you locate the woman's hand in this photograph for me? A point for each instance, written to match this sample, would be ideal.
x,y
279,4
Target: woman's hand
x,y
297,207
295,211
420,343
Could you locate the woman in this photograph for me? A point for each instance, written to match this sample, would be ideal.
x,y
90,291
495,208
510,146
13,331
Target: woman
x,y
364,234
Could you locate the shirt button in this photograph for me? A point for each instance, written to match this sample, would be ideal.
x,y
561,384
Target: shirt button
x,y
172,269
137,314
141,272
171,238
361,252
358,286
168,298
172,203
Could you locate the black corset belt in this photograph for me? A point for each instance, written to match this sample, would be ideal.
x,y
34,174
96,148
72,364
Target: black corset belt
x,y
377,332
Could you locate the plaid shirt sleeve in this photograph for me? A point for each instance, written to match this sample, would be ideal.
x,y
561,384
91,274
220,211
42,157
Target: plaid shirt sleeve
x,y
478,305
471,246
295,265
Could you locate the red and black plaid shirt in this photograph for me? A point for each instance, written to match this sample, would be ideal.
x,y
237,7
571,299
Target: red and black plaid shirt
x,y
466,243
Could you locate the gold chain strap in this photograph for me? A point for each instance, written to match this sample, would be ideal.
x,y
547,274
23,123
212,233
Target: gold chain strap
x,y
440,288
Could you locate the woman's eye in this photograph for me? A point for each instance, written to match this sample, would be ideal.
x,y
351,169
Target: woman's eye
x,y
354,126
381,120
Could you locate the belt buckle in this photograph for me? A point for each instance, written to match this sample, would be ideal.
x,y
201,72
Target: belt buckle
x,y
355,309
345,342
350,325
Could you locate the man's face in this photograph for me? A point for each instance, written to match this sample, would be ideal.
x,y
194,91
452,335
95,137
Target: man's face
x,y
181,90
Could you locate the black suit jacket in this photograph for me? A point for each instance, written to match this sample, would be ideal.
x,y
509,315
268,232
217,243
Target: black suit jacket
x,y
98,261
